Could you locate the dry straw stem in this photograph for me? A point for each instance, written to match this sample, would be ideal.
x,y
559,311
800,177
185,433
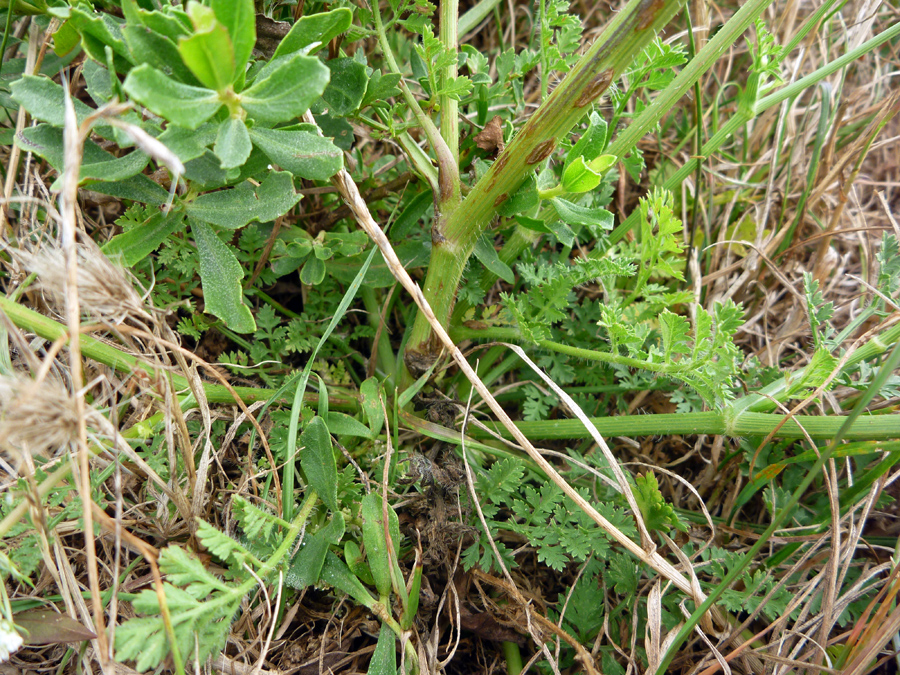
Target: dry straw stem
x,y
73,143
350,194
510,585
31,66
74,137
178,349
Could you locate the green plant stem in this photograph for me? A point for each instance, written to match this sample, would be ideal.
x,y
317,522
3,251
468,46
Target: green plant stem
x,y
513,658
297,526
142,429
515,245
550,193
693,70
765,399
745,115
108,355
448,184
453,239
687,78
666,99
743,417
381,610
886,370
6,31
698,136
419,160
21,508
870,427
470,20
513,335
450,106
234,593
387,361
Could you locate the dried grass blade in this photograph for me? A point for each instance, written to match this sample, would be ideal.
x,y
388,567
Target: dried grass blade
x,y
350,194
73,137
624,485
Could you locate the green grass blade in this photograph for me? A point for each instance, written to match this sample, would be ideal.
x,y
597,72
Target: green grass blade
x,y
299,383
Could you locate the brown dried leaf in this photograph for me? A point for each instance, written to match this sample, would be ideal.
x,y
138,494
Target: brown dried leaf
x,y
490,139
46,627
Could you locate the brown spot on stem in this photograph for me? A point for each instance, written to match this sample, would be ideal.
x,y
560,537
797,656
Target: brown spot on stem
x,y
502,198
437,237
501,162
648,12
595,87
445,184
541,151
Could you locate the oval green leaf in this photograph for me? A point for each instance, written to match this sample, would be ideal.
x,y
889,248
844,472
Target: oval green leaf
x,y
336,573
347,87
233,144
139,242
319,28
239,17
232,208
303,153
158,51
285,89
313,272
179,103
210,56
221,276
578,177
573,214
384,658
317,461
46,627
377,551
487,256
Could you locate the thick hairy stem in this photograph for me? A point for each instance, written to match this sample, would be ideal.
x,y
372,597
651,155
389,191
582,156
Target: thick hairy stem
x,y
455,232
628,138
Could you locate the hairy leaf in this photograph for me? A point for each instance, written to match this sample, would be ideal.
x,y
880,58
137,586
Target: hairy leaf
x,y
221,275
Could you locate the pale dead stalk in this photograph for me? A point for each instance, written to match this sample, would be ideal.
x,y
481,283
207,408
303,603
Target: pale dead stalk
x,y
512,588
73,141
21,118
346,186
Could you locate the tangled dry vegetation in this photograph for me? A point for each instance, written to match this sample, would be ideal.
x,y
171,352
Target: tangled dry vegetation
x,y
815,200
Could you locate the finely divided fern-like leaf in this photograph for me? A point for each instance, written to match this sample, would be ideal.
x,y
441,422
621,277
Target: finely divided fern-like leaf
x,y
550,299
503,479
255,522
184,570
220,544
819,311
675,331
658,514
